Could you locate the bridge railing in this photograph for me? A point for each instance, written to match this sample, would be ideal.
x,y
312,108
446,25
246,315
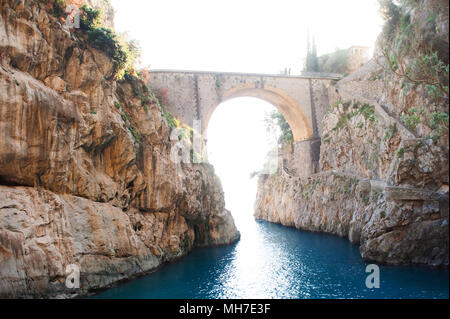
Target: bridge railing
x,y
304,75
322,75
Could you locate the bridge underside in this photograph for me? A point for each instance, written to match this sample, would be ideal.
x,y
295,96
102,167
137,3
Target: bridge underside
x,y
292,112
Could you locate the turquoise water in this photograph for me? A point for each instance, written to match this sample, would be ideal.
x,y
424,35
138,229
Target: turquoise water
x,y
272,261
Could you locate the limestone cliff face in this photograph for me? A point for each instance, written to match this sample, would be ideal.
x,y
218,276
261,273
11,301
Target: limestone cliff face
x,y
383,183
391,225
85,171
379,185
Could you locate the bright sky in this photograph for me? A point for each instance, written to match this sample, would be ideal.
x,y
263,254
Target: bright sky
x,y
238,143
262,36
258,36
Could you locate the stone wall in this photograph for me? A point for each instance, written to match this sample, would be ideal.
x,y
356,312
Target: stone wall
x,y
302,158
321,101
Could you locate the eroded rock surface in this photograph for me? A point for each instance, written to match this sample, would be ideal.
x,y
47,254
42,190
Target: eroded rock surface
x,y
85,167
383,161
391,231
380,186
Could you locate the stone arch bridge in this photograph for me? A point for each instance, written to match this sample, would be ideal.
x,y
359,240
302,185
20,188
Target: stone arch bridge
x,y
303,100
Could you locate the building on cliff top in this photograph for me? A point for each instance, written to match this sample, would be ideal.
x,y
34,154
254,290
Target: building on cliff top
x,y
344,61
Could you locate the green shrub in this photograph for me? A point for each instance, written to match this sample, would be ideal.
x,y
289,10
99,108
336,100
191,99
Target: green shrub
x,y
431,66
390,131
276,120
171,121
125,117
107,41
368,111
118,105
438,118
439,123
59,8
90,18
411,119
412,51
342,122
122,53
135,134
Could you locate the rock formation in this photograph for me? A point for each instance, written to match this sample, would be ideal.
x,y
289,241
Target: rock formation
x,y
86,175
383,158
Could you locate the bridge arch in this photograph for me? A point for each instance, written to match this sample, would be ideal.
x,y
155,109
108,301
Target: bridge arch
x,y
286,105
193,96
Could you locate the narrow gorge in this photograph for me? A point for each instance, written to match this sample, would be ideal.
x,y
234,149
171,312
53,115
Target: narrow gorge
x,y
87,170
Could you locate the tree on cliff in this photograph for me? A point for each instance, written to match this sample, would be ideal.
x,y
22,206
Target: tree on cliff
x,y
312,62
414,46
277,124
123,53
335,62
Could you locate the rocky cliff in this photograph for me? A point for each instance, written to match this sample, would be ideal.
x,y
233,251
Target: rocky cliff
x,y
384,153
86,175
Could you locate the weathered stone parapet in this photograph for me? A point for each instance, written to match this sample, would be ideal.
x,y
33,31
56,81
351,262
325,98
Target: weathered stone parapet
x,y
396,193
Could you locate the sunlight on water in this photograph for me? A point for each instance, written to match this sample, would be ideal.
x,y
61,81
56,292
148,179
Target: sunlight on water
x,y
271,261
251,272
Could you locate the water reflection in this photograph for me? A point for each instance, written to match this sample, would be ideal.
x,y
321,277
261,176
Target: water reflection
x,y
272,261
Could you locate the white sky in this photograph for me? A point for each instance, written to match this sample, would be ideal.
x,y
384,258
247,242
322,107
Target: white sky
x,y
238,143
243,35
